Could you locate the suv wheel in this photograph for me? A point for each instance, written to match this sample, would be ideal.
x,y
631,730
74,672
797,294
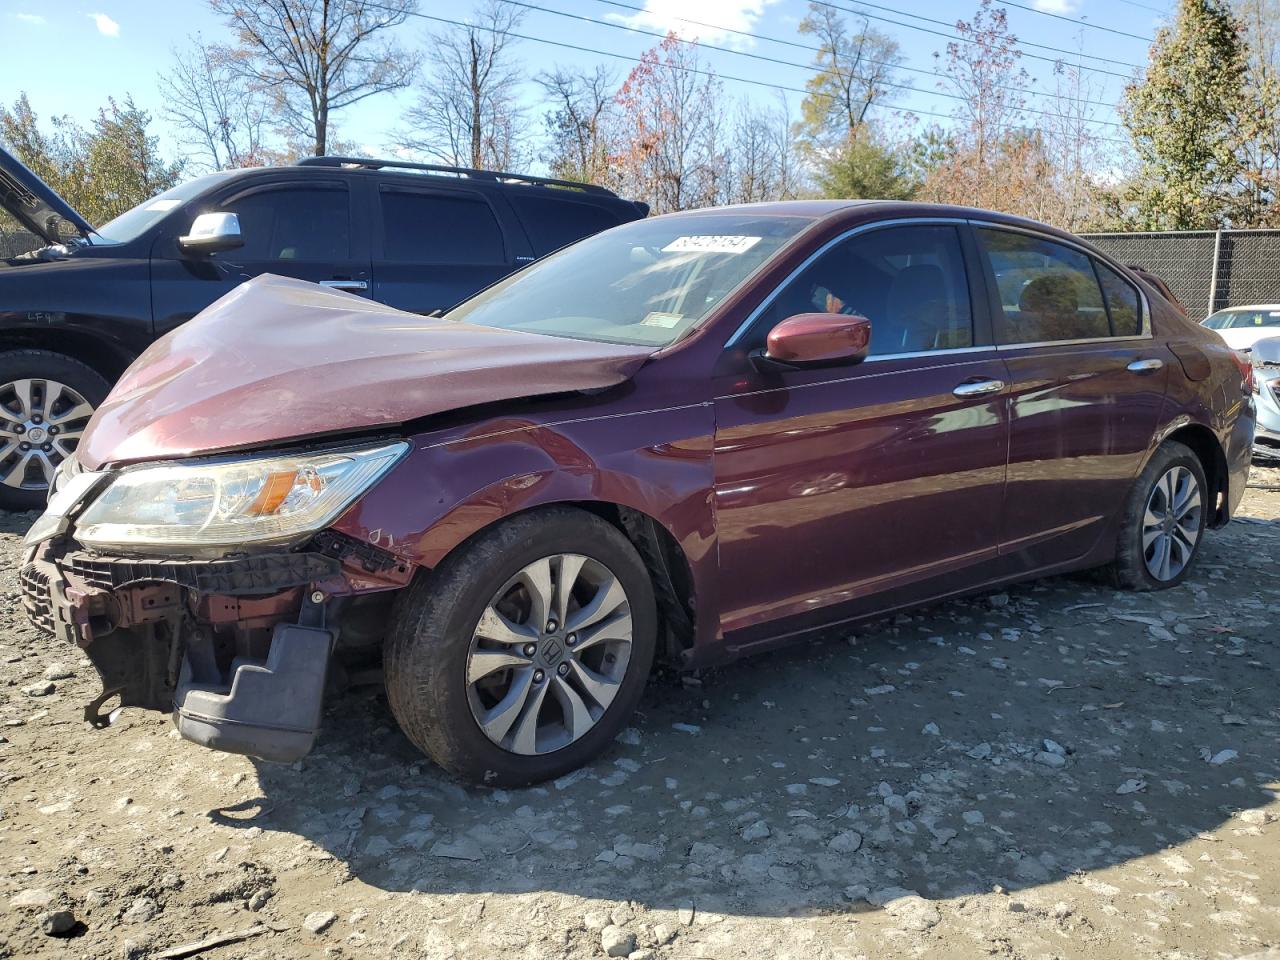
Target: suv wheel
x,y
524,654
1164,521
46,400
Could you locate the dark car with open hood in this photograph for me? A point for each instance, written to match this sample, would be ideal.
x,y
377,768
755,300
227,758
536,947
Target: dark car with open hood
x,y
692,437
76,312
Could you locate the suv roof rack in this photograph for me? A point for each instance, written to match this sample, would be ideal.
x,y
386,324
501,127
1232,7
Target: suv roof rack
x,y
494,176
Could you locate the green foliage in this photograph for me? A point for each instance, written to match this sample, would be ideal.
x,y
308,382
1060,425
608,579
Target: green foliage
x,y
101,172
864,169
1182,115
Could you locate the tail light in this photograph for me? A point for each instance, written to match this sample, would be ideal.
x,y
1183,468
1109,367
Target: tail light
x,y
1246,372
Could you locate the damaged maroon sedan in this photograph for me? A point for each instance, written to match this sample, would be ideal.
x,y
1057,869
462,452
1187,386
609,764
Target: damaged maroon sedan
x,y
692,437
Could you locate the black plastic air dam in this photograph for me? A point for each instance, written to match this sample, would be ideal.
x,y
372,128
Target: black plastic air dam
x,y
271,710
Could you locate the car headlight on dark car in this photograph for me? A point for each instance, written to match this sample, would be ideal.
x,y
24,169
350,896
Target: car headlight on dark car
x,y
203,508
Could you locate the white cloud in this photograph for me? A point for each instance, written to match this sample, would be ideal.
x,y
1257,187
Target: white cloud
x,y
33,18
1057,6
106,26
723,17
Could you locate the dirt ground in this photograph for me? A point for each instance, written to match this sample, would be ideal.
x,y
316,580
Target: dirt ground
x,y
1057,770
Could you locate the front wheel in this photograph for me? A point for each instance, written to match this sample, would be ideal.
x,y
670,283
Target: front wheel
x,y
525,652
46,400
1164,521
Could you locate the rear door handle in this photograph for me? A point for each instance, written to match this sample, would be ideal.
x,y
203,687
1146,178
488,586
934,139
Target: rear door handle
x,y
979,388
345,284
1150,365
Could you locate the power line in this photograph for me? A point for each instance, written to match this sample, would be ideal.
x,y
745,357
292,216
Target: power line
x,y
693,70
757,56
1077,21
952,36
804,46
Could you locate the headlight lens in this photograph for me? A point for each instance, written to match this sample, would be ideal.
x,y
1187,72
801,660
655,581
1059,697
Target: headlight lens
x,y
203,508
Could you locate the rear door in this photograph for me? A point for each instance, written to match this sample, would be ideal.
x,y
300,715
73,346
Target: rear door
x,y
434,247
303,228
1086,385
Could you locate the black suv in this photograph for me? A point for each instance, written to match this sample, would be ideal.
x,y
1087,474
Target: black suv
x,y
75,314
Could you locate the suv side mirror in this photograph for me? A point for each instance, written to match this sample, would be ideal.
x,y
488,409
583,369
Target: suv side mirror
x,y
211,232
819,338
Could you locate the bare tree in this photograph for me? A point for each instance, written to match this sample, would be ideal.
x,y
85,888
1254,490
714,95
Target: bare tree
x,y
468,113
217,113
1260,122
855,66
316,57
759,158
1070,138
669,148
580,124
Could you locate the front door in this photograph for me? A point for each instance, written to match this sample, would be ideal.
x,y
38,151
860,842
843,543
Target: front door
x,y
862,485
293,229
1087,382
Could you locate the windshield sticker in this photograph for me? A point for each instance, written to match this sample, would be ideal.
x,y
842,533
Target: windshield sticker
x,y
665,320
162,204
711,244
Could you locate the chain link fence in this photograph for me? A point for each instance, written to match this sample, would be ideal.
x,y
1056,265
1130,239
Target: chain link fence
x,y
14,239
1206,269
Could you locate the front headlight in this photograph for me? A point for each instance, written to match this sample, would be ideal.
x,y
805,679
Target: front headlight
x,y
204,508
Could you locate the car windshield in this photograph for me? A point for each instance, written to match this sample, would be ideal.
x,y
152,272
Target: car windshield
x,y
132,223
646,282
1243,317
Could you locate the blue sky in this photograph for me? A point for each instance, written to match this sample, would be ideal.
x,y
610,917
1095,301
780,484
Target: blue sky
x,y
70,57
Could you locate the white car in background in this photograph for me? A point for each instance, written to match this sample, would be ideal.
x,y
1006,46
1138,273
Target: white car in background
x,y
1242,327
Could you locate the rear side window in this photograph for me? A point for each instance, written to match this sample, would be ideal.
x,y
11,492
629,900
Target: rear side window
x,y
552,223
435,228
292,223
1123,303
909,281
1048,291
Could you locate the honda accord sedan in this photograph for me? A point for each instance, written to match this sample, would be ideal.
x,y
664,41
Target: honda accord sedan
x,y
691,437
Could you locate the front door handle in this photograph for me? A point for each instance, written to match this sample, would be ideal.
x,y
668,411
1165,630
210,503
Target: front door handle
x,y
979,388
1150,365
345,284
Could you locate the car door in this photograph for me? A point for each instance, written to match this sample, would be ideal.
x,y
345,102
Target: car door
x,y
1086,385
436,247
844,488
304,228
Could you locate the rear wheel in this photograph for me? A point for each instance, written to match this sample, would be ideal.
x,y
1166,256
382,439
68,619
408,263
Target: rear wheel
x,y
523,655
46,400
1164,521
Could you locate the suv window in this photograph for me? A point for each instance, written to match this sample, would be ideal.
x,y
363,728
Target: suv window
x,y
910,282
553,223
1123,304
439,228
1048,291
293,223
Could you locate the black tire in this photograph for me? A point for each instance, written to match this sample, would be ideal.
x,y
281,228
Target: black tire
x,y
41,365
427,646
1130,570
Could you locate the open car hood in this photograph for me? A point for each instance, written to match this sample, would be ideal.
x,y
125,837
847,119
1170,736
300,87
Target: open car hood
x,y
34,203
277,360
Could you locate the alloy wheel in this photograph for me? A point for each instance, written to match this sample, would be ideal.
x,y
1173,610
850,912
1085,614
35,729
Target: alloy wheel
x,y
41,422
1171,523
549,654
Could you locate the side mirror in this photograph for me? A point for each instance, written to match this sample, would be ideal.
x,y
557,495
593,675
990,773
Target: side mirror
x,y
1267,352
819,338
211,232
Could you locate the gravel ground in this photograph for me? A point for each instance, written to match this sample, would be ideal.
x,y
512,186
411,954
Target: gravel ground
x,y
1058,770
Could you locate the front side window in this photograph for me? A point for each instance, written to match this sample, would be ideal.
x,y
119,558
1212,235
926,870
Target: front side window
x,y
647,282
910,282
294,223
1048,291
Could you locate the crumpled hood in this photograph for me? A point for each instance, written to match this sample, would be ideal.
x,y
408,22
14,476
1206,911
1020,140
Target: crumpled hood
x,y
279,359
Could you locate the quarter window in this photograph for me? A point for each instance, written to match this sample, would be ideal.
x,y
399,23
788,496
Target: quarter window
x,y
554,223
910,282
431,228
295,223
1123,303
1048,291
